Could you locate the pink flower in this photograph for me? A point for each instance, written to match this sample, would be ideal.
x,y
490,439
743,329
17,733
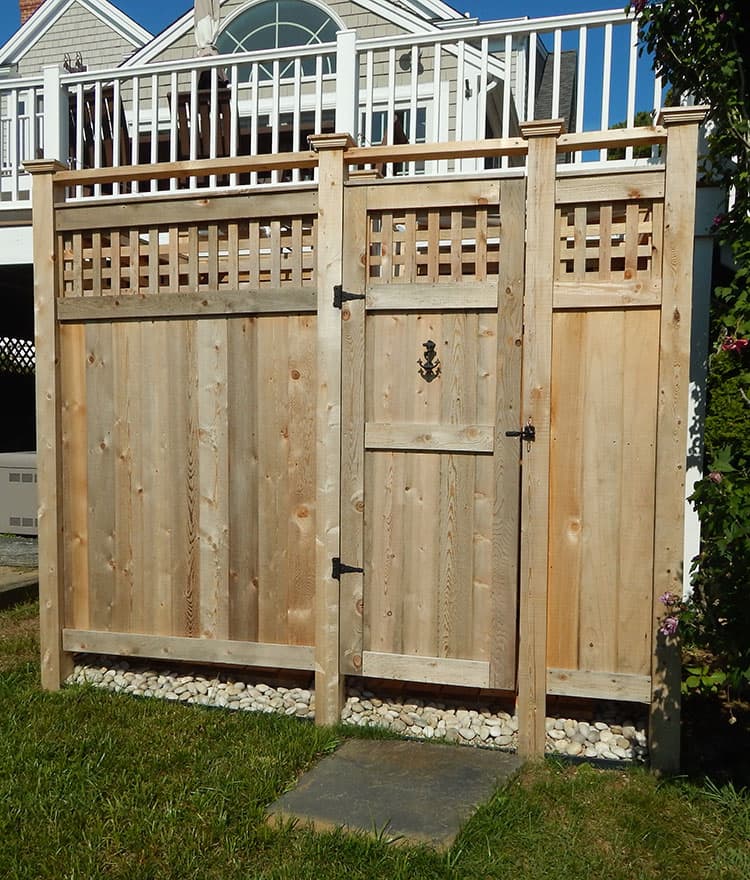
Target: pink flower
x,y
731,343
715,477
668,599
669,626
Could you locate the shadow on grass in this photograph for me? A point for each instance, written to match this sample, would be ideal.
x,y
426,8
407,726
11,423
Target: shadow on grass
x,y
716,739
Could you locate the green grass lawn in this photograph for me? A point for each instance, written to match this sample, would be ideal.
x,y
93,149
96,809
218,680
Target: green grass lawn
x,y
101,785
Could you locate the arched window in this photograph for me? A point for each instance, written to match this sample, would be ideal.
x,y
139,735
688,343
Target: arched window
x,y
278,24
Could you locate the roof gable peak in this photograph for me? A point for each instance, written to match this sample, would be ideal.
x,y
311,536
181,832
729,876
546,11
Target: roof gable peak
x,y
34,28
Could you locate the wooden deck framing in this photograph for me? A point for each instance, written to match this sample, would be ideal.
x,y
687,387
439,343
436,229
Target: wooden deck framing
x,y
239,392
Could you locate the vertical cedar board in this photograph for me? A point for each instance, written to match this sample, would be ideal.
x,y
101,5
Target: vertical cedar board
x,y
537,353
353,428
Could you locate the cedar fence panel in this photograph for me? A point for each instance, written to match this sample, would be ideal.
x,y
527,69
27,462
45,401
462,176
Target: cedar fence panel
x,y
216,430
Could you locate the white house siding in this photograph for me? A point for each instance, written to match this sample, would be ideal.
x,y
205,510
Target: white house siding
x,y
77,30
16,245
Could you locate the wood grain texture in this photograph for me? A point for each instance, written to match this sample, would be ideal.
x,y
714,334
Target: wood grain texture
x,y
185,305
301,376
610,187
674,369
592,295
434,670
329,681
56,663
244,462
352,431
183,208
213,478
503,621
220,651
566,489
439,297
599,685
438,438
75,474
101,475
539,274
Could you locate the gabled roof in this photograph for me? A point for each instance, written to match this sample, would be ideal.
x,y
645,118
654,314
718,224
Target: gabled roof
x,y
34,28
414,16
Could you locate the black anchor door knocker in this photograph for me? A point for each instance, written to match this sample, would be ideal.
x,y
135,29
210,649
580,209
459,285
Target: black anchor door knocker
x,y
429,368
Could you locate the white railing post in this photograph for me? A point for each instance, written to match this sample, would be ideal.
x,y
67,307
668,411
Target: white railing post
x,y
55,116
347,83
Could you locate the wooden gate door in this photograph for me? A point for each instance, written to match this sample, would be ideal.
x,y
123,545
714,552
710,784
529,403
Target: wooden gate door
x,y
431,383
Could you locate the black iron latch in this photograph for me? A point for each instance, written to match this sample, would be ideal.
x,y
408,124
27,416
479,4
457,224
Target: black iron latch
x,y
341,296
528,434
339,568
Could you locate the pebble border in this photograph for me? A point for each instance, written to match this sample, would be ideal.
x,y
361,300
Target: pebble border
x,y
604,738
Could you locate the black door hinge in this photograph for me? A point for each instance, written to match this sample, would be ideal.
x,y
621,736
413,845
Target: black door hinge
x,y
339,568
341,296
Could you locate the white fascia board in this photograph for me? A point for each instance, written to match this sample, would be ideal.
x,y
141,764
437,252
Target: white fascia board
x,y
439,10
401,17
45,17
128,29
162,41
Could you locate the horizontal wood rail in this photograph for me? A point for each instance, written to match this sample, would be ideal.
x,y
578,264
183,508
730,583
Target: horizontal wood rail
x,y
137,306
620,137
431,670
190,650
423,152
599,685
378,155
182,208
189,168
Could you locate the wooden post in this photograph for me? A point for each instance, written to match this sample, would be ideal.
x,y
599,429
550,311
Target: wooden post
x,y
535,409
671,443
329,682
56,663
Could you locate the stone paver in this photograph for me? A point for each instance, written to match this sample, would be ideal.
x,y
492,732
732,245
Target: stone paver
x,y
411,791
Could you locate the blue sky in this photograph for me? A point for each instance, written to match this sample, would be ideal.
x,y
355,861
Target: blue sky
x,y
155,16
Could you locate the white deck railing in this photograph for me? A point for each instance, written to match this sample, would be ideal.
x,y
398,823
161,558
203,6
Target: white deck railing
x,y
464,81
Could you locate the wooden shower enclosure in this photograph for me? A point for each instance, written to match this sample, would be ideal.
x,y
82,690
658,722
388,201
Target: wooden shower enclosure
x,y
274,425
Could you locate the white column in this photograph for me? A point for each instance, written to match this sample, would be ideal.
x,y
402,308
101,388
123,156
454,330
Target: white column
x,y
347,84
55,116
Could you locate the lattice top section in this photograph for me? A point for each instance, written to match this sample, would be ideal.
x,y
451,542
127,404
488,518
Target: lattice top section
x,y
227,255
461,244
17,356
618,241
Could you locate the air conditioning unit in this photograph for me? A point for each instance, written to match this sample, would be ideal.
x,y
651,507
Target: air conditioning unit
x,y
18,494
